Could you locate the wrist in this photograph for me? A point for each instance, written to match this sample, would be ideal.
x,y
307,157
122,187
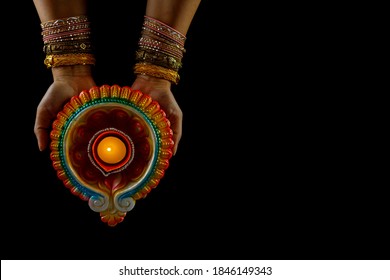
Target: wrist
x,y
153,80
147,83
72,71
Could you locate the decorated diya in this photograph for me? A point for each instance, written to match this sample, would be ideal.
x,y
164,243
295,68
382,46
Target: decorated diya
x,y
110,146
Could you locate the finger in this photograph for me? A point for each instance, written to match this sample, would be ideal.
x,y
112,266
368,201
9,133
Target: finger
x,y
42,136
177,132
42,128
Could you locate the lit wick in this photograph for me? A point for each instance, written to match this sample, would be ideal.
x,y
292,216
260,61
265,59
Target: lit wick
x,y
111,150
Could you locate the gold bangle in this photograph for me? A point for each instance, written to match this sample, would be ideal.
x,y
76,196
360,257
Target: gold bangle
x,y
159,59
157,71
83,46
69,59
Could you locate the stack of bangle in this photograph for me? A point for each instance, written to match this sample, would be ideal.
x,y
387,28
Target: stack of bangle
x,y
67,41
160,51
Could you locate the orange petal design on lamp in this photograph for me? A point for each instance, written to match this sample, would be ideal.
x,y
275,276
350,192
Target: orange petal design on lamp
x,y
110,146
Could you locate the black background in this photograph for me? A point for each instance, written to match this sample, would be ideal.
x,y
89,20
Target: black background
x,y
266,168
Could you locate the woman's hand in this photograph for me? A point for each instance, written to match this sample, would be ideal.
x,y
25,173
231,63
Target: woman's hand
x,y
160,90
68,81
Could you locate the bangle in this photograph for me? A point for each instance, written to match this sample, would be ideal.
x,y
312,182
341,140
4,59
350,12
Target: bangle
x,y
81,46
64,21
157,71
159,59
69,59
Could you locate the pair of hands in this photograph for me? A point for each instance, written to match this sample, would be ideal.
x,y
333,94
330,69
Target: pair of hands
x,y
69,81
